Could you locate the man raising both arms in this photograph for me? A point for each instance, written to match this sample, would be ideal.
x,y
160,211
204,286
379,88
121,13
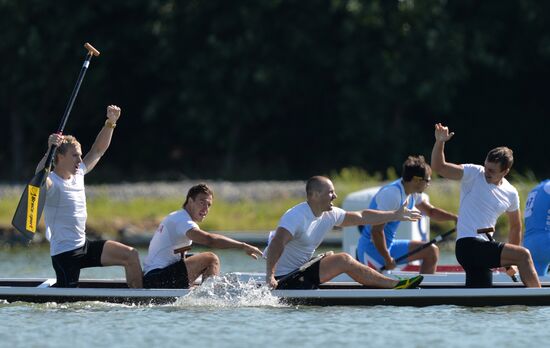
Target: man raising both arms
x,y
484,195
303,227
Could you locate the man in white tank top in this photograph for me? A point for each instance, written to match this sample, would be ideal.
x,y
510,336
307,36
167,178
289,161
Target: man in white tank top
x,y
302,229
166,265
484,195
65,211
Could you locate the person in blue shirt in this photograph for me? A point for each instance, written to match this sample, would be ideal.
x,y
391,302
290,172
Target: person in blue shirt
x,y
377,245
537,226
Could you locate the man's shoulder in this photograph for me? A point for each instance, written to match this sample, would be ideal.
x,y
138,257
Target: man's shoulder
x,y
473,167
178,216
337,211
298,209
508,187
472,172
390,191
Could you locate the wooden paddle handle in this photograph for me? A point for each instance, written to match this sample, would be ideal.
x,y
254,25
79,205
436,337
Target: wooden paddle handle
x,y
182,250
486,230
91,49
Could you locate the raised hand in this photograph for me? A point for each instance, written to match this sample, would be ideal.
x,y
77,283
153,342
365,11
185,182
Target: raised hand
x,y
113,113
55,140
442,133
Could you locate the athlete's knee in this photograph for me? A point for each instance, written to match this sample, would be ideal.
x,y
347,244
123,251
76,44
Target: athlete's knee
x,y
345,259
131,257
520,255
211,259
433,252
524,254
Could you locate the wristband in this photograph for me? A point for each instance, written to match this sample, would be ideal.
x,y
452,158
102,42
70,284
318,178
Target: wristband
x,y
110,124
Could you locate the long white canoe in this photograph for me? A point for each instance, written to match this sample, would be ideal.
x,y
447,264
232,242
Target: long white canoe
x,y
336,293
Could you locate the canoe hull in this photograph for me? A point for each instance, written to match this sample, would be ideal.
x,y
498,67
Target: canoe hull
x,y
332,294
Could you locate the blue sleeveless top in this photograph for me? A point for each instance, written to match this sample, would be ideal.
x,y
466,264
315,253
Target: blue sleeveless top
x,y
391,227
537,209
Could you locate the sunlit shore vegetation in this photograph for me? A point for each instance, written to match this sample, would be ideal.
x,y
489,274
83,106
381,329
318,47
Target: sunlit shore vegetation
x,y
107,216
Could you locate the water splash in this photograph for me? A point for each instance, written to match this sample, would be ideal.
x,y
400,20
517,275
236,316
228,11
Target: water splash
x,y
228,291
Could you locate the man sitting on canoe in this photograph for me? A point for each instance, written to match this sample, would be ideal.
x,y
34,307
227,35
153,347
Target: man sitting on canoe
x,y
65,211
302,229
484,195
377,245
167,267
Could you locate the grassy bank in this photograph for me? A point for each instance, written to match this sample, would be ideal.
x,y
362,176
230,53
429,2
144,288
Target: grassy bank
x,y
107,215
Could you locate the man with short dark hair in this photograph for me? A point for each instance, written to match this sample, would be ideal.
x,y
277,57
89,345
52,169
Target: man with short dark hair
x,y
377,245
166,265
484,195
303,227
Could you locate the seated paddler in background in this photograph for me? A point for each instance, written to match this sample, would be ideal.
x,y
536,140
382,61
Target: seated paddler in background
x,y
377,245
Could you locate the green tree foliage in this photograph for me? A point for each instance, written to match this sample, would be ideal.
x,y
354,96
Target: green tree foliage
x,y
276,89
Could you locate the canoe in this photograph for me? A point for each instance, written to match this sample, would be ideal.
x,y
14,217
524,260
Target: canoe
x,y
37,290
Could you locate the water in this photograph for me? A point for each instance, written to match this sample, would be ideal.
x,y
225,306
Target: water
x,y
223,314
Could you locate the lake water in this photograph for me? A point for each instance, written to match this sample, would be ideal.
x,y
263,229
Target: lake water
x,y
251,318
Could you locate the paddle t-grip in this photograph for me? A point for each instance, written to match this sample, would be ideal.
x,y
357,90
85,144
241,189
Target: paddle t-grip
x,y
91,49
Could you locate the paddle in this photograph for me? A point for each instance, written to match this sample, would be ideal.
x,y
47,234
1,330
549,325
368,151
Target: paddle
x,y
29,210
509,270
422,247
299,271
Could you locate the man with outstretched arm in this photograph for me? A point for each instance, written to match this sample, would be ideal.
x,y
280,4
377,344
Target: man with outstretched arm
x,y
166,265
302,229
377,245
484,195
65,211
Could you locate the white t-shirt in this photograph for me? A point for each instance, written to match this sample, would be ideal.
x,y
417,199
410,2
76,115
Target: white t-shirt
x,y
482,203
308,232
65,212
170,235
392,197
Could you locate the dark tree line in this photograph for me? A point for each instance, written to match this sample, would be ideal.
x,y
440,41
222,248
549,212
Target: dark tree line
x,y
273,89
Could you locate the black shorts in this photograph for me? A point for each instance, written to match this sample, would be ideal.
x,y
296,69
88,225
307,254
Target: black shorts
x,y
67,265
170,277
308,280
478,257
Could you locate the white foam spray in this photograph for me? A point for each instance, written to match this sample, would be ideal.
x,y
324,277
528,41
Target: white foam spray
x,y
229,291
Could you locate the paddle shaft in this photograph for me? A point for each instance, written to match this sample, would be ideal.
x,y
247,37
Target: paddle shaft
x,y
91,52
30,206
422,247
487,232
